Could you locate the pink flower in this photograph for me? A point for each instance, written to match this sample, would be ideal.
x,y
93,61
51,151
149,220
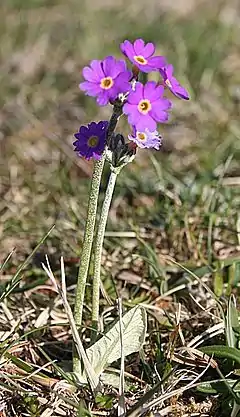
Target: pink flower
x,y
106,79
141,55
146,139
172,83
146,106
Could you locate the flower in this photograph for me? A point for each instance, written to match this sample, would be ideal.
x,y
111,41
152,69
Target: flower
x,y
91,139
145,106
172,83
106,79
141,55
146,139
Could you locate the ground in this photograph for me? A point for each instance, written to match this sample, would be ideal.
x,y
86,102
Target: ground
x,y
172,242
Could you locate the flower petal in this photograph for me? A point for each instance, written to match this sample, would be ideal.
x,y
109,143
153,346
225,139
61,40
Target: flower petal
x,y
84,131
92,89
90,75
129,108
103,124
148,50
103,99
135,96
133,114
161,104
157,62
120,66
169,69
182,93
150,91
127,49
146,122
97,68
159,114
178,90
138,46
122,83
112,67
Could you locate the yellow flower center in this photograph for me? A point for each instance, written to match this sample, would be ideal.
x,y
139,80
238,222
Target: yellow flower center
x,y
93,141
140,59
168,83
106,83
144,106
141,136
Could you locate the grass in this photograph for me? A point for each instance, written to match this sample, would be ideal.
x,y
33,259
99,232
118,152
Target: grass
x,y
172,242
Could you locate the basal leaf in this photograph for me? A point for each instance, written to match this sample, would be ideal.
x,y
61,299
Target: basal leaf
x,y
220,351
108,349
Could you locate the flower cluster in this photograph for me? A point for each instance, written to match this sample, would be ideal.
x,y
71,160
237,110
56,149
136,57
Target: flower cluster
x,y
110,81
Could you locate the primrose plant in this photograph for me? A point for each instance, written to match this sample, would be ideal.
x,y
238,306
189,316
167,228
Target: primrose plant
x,y
112,82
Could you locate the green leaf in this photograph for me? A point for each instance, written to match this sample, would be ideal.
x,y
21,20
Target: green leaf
x,y
232,324
220,351
217,387
218,283
110,378
108,349
233,276
105,401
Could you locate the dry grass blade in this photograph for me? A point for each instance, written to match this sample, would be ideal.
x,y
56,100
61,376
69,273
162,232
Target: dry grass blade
x,y
207,334
196,357
2,266
121,402
92,377
202,283
141,408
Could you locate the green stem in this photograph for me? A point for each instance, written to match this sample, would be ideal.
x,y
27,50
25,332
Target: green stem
x,y
98,251
86,249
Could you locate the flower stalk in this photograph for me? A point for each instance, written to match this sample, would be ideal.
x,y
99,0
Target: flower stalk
x,y
98,251
86,250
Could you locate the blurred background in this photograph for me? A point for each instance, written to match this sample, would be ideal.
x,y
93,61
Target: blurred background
x,y
181,193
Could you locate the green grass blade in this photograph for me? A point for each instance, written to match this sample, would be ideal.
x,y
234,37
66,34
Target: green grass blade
x,y
17,278
2,266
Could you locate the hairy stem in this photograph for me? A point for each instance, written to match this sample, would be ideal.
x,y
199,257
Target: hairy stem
x,y
86,249
117,112
98,251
